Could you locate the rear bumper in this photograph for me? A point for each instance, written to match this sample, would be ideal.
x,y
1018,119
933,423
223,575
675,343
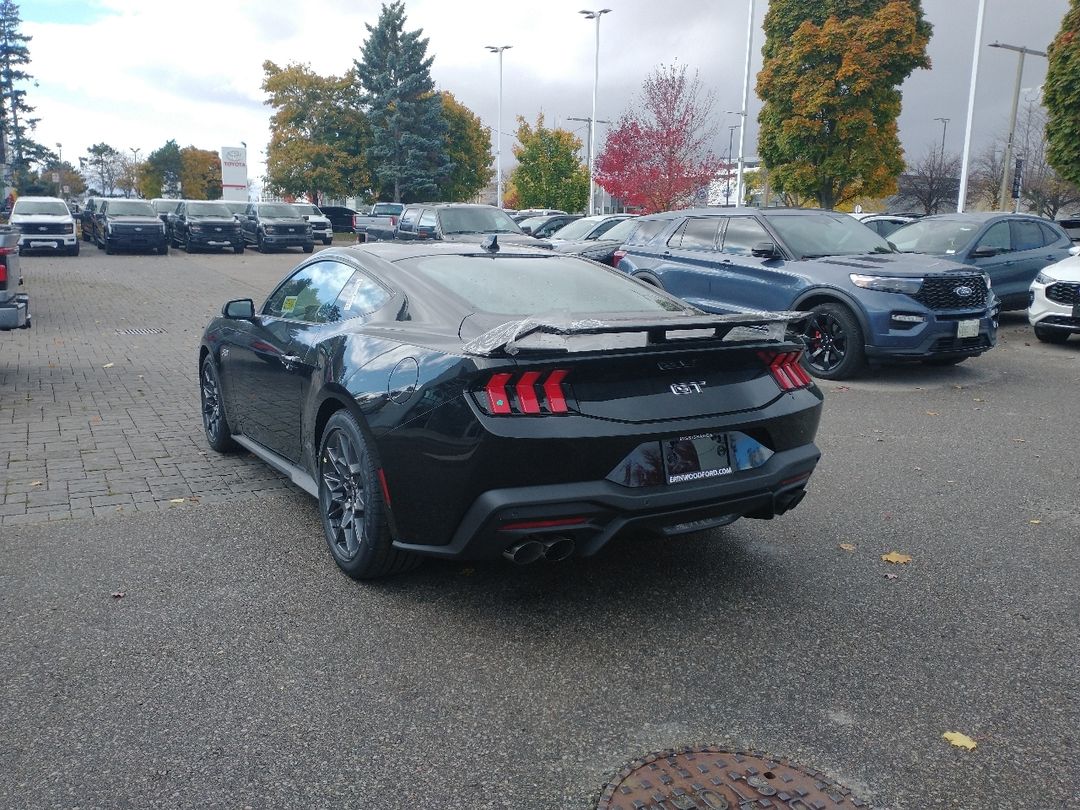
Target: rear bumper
x,y
593,512
15,312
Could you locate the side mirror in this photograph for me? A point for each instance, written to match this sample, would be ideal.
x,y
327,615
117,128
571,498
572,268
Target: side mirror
x,y
306,217
1074,250
527,229
765,250
242,309
984,252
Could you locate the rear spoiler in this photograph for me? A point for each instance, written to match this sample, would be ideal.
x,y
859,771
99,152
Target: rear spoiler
x,y
751,326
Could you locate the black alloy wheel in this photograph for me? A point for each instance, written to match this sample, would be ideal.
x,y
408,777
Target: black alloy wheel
x,y
834,343
351,504
215,422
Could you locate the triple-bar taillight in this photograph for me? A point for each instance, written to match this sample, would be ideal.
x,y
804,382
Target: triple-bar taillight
x,y
532,392
787,370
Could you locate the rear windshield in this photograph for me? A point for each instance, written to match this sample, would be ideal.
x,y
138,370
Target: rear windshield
x,y
55,207
531,285
621,232
935,236
476,220
307,209
277,210
382,209
578,229
208,209
131,208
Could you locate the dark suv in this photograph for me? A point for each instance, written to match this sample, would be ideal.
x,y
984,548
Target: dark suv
x,y
129,225
202,224
866,299
461,222
268,226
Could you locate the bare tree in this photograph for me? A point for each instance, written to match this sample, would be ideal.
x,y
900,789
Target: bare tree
x,y
1043,191
985,177
931,182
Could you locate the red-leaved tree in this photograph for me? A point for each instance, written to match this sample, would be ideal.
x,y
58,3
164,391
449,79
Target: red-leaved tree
x,y
657,157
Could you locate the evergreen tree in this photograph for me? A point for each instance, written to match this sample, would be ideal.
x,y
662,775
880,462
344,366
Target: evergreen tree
x,y
1062,97
161,173
407,156
16,124
830,84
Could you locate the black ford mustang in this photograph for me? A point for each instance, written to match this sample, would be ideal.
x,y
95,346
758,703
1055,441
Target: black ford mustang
x,y
470,401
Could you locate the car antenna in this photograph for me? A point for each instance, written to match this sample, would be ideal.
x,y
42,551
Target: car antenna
x,y
490,243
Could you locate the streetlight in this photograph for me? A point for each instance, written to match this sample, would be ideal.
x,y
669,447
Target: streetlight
x,y
944,126
739,193
727,169
59,153
1007,159
594,15
498,129
962,193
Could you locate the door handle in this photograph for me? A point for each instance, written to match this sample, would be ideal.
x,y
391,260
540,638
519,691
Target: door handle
x,y
288,360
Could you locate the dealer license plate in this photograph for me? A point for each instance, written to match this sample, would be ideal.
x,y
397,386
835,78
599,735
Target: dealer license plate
x,y
967,329
43,244
693,458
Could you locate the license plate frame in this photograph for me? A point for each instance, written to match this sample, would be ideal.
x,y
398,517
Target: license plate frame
x,y
698,457
967,328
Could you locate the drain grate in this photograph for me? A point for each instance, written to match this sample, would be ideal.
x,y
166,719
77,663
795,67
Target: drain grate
x,y
144,330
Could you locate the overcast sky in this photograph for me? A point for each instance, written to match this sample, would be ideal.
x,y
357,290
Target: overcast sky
x,y
135,73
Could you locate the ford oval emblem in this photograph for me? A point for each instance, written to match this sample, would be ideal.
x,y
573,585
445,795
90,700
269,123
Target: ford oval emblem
x,y
963,291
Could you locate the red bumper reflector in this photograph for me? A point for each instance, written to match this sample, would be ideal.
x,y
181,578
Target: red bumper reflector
x,y
794,478
553,393
385,488
526,394
498,400
542,524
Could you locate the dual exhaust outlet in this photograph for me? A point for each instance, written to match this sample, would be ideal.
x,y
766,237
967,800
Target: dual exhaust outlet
x,y
532,549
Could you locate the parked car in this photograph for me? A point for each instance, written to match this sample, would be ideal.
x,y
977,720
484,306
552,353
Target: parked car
x,y
166,210
88,220
45,224
340,216
883,224
544,226
526,213
1054,308
205,224
602,249
1010,248
379,223
321,227
865,300
588,228
268,226
14,305
129,225
1071,225
423,396
461,222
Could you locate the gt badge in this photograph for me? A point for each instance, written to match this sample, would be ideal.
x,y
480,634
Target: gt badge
x,y
688,387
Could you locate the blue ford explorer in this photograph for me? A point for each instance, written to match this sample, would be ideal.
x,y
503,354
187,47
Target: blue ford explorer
x,y
866,300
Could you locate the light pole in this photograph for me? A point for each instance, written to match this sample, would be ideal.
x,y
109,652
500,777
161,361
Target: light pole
x,y
594,15
1007,158
970,109
944,126
59,153
498,129
739,193
727,169
588,142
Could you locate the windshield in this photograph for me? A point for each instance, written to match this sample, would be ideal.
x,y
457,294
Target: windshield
x,y
131,208
235,207
621,232
937,237
476,220
827,234
54,207
208,209
166,206
382,209
307,209
532,222
578,229
278,210
524,285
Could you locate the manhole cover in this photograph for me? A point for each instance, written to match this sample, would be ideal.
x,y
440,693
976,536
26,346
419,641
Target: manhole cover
x,y
714,779
144,330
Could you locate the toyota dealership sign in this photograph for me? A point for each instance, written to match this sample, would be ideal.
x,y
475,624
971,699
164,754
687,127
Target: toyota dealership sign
x,y
234,175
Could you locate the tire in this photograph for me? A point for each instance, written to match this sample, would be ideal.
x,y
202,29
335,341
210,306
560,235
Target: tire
x,y
108,247
329,241
187,243
651,280
834,343
1051,335
173,242
948,360
360,543
215,421
259,244
163,250
309,248
238,248
73,250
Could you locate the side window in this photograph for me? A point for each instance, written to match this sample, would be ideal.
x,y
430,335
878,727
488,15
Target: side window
x,y
362,295
604,228
647,230
1026,235
427,219
700,233
1049,234
181,209
742,234
997,237
249,210
104,209
310,294
675,240
408,219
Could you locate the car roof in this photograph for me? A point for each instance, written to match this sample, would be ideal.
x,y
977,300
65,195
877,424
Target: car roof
x,y
28,198
983,216
395,251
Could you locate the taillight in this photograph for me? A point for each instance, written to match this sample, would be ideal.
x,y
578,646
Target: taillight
x,y
786,369
393,220
354,220
617,257
4,253
3,272
532,393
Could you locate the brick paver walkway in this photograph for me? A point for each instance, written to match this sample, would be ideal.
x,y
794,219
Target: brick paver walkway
x,y
96,420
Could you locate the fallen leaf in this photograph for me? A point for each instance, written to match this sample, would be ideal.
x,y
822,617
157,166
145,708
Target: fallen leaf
x,y
108,365
118,595
1020,440
931,413
176,500
949,481
847,546
1035,522
892,576
978,399
36,483
896,557
960,740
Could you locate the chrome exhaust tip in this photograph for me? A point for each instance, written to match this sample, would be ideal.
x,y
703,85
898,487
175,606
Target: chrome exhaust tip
x,y
559,549
525,552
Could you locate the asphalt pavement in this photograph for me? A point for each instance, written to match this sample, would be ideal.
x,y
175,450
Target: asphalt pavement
x,y
240,669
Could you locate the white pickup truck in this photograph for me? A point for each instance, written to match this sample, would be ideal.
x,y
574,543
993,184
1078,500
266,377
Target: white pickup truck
x,y
379,224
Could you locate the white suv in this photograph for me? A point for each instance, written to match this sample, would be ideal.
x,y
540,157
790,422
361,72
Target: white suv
x,y
45,223
1054,302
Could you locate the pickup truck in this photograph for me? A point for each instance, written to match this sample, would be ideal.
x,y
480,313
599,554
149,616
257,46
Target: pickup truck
x,y
14,305
380,223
